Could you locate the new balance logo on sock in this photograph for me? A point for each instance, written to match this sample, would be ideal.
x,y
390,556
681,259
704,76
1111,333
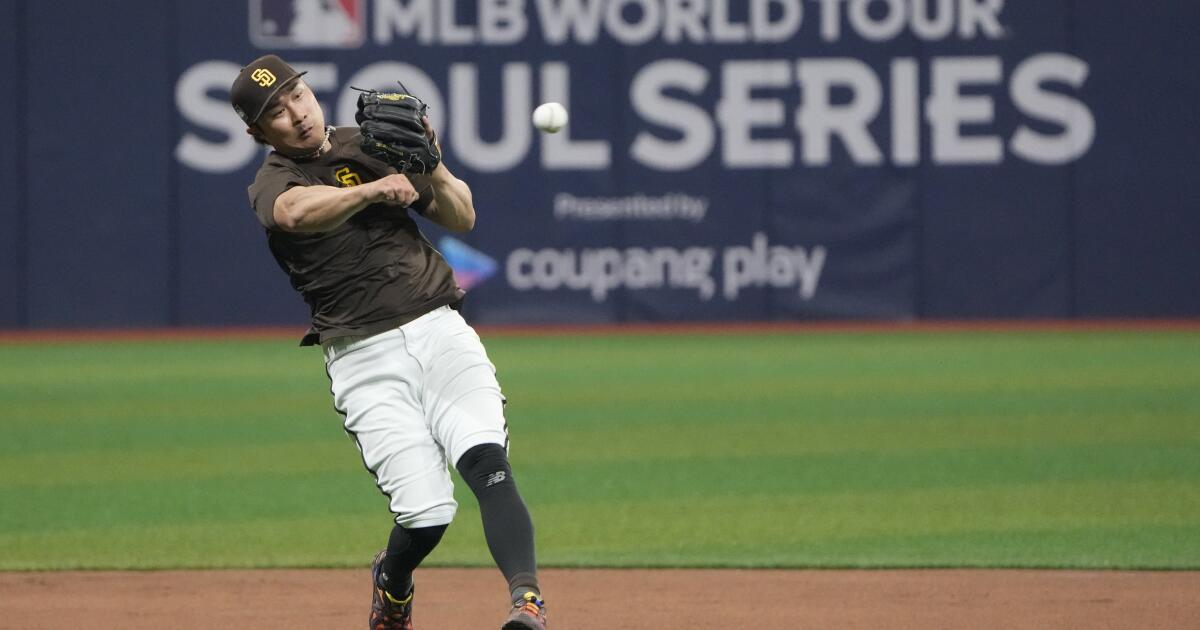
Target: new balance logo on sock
x,y
496,478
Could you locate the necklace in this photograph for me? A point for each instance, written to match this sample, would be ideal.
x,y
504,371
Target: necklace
x,y
320,149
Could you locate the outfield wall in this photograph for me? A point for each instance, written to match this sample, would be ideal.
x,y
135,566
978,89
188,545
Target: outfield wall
x,y
726,160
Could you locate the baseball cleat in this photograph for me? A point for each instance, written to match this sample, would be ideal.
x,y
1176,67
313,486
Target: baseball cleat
x,y
388,613
527,614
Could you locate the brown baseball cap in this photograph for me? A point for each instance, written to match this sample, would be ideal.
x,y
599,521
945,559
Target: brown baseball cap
x,y
258,83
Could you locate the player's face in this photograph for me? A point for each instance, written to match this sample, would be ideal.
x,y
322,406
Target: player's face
x,y
294,122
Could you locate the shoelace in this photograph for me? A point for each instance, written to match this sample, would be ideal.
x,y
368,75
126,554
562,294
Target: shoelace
x,y
532,606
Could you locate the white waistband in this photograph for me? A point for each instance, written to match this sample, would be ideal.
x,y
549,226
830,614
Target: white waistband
x,y
338,345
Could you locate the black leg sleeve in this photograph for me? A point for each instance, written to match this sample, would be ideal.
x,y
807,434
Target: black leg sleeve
x,y
506,522
405,551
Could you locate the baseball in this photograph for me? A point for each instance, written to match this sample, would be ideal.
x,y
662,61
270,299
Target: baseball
x,y
550,117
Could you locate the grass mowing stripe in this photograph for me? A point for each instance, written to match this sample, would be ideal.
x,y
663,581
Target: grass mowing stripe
x,y
766,438
288,540
984,525
253,490
208,501
181,463
959,528
950,449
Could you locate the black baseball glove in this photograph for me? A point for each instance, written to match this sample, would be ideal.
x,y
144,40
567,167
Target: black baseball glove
x,y
392,131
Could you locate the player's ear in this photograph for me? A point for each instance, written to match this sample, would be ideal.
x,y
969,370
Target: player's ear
x,y
256,134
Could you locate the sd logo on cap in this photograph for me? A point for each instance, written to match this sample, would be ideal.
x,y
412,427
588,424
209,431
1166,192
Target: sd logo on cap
x,y
257,84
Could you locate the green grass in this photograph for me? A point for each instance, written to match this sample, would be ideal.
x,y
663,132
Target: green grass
x,y
750,450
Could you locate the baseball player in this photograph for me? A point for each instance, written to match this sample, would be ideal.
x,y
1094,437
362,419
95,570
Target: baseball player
x,y
410,377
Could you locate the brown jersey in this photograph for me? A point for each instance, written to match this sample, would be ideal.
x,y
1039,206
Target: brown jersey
x,y
374,272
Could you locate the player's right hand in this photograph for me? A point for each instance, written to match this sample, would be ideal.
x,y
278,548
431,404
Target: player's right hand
x,y
394,190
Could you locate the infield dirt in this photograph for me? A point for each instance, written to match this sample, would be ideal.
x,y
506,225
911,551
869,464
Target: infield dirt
x,y
452,599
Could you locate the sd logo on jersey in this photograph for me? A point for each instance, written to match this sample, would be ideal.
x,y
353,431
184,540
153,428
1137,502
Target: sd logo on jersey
x,y
347,178
307,23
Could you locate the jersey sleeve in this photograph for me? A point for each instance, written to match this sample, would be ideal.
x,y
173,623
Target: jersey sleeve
x,y
272,180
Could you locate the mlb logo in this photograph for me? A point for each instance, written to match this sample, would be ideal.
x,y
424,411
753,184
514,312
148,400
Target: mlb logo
x,y
307,23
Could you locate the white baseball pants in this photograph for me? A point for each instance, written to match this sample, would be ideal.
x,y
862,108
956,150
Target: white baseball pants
x,y
415,399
